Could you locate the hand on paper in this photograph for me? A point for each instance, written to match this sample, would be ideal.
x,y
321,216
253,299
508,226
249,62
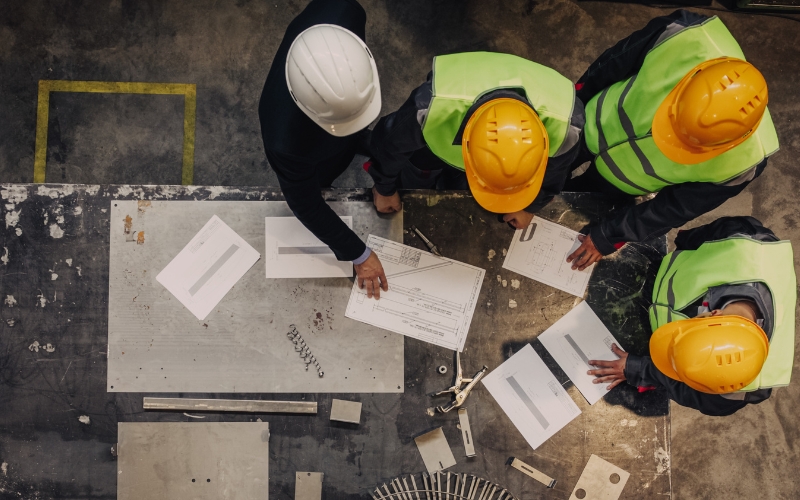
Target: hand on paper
x,y
370,275
610,371
585,255
520,220
386,204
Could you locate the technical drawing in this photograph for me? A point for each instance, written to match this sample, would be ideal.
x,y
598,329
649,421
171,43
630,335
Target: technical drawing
x,y
430,298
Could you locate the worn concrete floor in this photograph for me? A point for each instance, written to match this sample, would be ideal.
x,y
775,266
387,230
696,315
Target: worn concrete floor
x,y
225,48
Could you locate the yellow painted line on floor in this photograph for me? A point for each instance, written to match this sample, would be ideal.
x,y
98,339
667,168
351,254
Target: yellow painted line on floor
x,y
188,90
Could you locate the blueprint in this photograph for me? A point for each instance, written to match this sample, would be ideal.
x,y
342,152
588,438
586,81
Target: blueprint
x,y
540,252
530,395
430,298
576,338
292,251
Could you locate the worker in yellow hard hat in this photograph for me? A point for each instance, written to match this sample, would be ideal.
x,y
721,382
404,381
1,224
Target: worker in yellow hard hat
x,y
723,319
506,128
674,109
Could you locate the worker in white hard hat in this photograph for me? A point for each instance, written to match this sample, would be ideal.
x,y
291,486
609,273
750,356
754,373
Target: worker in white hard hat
x,y
321,93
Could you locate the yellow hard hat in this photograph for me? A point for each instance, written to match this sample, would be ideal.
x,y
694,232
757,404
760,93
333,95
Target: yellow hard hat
x,y
505,148
715,355
713,108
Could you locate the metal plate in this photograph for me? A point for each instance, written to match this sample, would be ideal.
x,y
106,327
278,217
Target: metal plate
x,y
308,485
600,480
177,460
346,411
157,345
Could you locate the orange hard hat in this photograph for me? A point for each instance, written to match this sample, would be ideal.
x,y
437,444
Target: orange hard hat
x,y
714,108
505,148
714,355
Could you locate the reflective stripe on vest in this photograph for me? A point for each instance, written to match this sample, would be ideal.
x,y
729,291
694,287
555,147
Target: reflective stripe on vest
x,y
461,79
619,119
685,276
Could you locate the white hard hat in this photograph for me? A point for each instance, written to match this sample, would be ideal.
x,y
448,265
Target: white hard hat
x,y
332,77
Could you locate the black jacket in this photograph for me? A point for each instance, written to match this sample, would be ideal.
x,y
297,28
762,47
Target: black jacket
x,y
305,157
640,370
674,205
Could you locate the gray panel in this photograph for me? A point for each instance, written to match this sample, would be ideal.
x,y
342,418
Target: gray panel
x,y
527,400
197,461
577,349
157,345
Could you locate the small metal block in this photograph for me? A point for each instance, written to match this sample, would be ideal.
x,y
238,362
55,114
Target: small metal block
x,y
346,411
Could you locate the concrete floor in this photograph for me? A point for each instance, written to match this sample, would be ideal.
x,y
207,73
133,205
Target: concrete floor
x,y
225,48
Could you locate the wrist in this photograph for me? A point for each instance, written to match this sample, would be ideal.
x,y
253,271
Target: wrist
x,y
363,258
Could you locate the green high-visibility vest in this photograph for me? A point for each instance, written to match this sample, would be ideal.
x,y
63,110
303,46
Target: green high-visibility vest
x,y
686,276
461,79
620,118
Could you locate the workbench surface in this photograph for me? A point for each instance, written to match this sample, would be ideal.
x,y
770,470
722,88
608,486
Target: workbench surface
x,y
58,424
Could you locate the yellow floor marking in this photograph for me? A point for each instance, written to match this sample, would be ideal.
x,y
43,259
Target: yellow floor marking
x,y
188,90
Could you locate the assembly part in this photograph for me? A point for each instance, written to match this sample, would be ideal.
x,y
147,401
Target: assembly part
x,y
530,471
466,432
192,460
346,411
435,451
308,485
442,369
459,392
236,405
600,480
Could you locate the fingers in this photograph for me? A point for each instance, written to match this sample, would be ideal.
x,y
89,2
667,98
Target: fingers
x,y
577,253
361,282
370,288
602,363
508,217
603,371
384,281
616,350
614,384
586,260
609,378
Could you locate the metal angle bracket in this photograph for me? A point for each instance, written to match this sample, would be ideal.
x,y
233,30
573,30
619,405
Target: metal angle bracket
x,y
530,471
236,405
466,433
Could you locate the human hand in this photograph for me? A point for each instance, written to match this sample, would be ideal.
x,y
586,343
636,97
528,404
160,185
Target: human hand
x,y
610,371
585,255
519,220
386,204
370,275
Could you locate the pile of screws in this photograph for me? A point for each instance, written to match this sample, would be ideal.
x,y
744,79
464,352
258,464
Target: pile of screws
x,y
301,347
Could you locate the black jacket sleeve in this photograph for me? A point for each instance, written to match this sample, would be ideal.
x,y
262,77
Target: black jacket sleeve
x,y
624,59
722,228
394,140
672,207
641,372
300,185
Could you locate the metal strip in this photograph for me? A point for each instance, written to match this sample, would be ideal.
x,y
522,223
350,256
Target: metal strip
x,y
237,405
527,400
466,432
303,250
535,474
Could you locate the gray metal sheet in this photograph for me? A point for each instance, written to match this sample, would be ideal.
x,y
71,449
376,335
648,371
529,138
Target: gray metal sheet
x,y
193,460
157,345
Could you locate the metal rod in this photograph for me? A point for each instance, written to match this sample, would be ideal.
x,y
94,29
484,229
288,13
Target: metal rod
x,y
235,405
414,483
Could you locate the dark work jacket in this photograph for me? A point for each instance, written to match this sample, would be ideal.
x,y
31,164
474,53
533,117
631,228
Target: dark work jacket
x,y
305,157
674,205
640,370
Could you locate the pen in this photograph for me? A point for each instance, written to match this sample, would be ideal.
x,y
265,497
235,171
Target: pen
x,y
428,243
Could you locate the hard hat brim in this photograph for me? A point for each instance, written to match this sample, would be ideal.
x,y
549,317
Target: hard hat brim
x,y
659,349
505,203
668,141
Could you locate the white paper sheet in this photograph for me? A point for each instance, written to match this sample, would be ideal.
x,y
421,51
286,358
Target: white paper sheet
x,y
292,251
575,339
531,396
208,267
540,252
430,298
